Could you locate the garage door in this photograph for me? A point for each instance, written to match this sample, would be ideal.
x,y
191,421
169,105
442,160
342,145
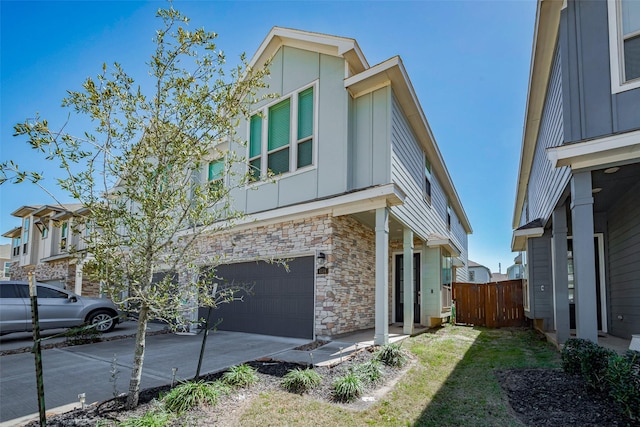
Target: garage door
x,y
281,303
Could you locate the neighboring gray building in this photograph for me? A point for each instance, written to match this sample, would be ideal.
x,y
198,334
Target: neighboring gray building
x,y
361,204
478,273
577,208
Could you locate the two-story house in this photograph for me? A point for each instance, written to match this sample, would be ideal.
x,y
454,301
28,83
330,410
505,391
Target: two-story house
x,y
42,244
577,208
361,204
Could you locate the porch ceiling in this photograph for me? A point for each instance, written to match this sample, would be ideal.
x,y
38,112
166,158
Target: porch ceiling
x,y
368,218
613,185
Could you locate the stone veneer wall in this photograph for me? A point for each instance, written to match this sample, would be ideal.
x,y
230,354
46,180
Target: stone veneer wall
x,y
345,297
349,301
61,270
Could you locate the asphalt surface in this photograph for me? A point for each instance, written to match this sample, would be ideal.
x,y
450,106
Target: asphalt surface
x,y
72,370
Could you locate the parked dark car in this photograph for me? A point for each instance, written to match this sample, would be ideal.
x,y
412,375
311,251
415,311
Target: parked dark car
x,y
57,308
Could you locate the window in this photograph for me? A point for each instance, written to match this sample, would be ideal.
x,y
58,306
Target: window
x,y
50,293
45,230
448,216
427,180
281,136
624,44
215,174
7,269
9,291
16,246
63,235
25,235
472,276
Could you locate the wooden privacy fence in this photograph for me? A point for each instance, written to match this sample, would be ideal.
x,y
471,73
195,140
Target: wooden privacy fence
x,y
493,305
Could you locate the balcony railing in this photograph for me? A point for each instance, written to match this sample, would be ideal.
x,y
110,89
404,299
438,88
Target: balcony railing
x,y
446,298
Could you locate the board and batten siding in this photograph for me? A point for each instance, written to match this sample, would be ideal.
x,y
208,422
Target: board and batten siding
x,y
546,183
541,280
624,264
591,110
407,170
291,70
368,147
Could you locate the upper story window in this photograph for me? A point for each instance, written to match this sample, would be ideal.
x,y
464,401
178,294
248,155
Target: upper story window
x,y
63,235
281,136
624,44
449,216
427,180
45,229
16,246
25,235
215,174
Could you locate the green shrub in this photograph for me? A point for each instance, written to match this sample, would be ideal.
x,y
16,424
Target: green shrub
x,y
370,372
240,376
347,388
623,382
573,351
301,380
150,419
191,394
391,355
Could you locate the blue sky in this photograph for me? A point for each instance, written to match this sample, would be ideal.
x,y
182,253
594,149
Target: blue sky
x,y
468,62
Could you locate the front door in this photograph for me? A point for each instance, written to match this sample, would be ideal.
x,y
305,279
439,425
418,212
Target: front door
x,y
399,284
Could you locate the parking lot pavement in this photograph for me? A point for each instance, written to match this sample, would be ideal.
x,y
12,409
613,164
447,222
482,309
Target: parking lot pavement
x,y
87,368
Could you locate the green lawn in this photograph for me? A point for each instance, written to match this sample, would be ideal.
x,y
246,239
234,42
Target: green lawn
x,y
452,384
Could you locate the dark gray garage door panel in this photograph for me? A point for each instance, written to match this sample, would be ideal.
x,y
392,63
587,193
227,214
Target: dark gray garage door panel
x,y
281,304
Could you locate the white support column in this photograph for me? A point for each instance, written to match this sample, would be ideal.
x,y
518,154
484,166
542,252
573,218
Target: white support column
x,y
381,335
78,281
407,261
560,274
584,272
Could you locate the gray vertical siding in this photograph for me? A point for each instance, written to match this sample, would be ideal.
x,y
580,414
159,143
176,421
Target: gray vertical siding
x,y
624,264
541,280
547,183
591,110
407,169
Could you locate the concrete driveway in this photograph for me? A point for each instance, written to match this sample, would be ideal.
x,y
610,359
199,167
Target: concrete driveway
x,y
86,368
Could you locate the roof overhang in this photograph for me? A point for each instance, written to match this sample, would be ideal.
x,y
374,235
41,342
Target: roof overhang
x,y
520,237
392,72
322,43
23,211
544,41
14,232
436,241
597,152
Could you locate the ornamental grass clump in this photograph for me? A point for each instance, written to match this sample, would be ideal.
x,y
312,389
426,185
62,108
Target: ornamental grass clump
x,y
193,393
347,388
240,376
156,418
301,380
391,355
370,372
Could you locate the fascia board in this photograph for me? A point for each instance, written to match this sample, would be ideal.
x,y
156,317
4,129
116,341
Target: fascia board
x,y
519,238
545,35
316,42
393,70
596,152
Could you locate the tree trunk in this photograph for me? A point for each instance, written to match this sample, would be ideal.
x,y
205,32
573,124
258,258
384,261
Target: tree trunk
x,y
138,359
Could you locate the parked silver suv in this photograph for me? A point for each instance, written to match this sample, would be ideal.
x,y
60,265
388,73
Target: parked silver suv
x,y
57,308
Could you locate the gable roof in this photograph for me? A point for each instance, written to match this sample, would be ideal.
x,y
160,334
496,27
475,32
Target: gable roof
x,y
362,79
